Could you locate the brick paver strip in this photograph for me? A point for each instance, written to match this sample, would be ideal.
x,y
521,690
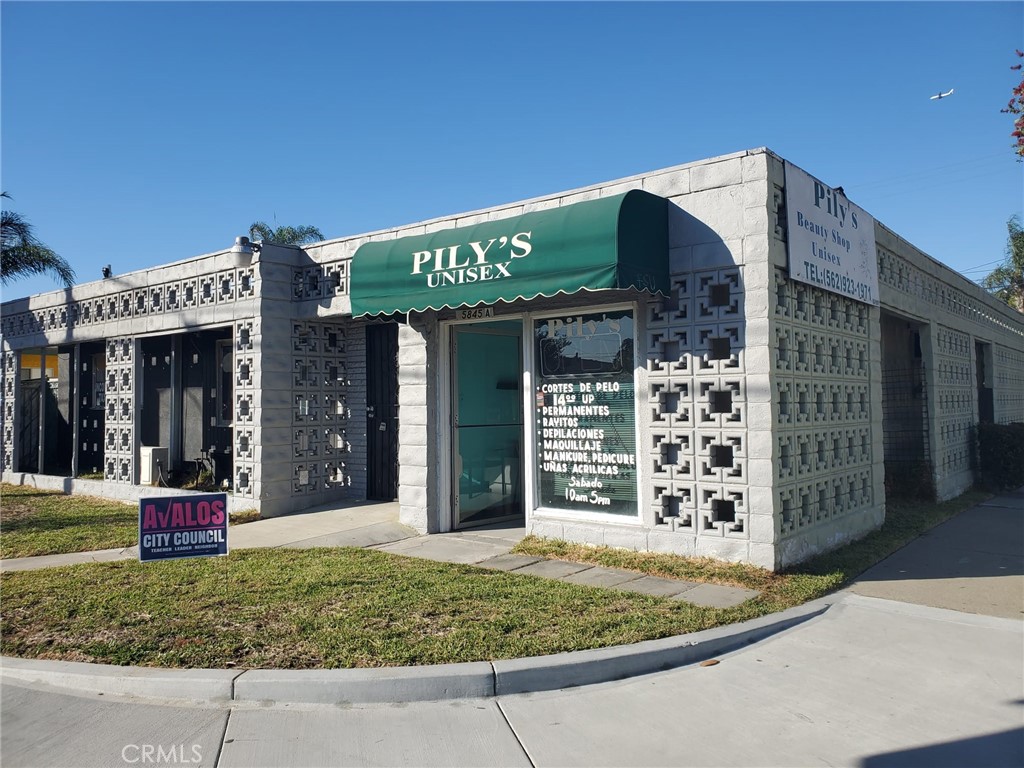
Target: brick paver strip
x,y
603,577
716,595
508,562
658,587
553,569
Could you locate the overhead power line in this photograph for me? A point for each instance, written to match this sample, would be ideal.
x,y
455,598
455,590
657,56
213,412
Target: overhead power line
x,y
929,171
929,184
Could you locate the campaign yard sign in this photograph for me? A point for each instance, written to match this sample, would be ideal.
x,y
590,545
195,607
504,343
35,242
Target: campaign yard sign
x,y
171,527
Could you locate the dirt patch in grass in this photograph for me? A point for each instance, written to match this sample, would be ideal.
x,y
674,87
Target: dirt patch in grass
x,y
14,511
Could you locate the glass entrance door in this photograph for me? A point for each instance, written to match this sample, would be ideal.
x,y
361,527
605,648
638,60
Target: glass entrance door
x,y
487,407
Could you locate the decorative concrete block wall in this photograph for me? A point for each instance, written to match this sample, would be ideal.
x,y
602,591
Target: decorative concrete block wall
x,y
198,293
709,458
202,291
703,438
120,443
9,391
955,412
320,285
322,414
246,449
1008,375
826,438
828,474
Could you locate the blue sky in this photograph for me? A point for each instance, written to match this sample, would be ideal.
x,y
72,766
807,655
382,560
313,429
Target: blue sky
x,y
134,134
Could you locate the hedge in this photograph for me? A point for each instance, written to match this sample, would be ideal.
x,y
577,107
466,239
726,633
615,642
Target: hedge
x,y
1001,455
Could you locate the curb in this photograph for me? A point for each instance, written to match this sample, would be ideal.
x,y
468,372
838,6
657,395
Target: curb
x,y
200,685
603,665
471,680
383,685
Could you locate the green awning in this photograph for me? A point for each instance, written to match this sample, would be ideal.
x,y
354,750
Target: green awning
x,y
612,242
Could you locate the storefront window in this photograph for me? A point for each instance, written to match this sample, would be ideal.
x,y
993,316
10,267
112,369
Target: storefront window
x,y
585,416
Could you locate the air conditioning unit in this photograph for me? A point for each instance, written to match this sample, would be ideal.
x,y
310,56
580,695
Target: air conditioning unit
x,y
149,458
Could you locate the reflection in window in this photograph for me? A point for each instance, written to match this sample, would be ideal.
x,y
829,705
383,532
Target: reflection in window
x,y
593,354
99,383
603,345
225,383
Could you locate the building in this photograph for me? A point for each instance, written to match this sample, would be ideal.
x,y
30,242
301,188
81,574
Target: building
x,y
724,358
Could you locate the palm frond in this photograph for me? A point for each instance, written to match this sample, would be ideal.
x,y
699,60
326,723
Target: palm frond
x,y
14,230
260,231
21,254
300,235
34,259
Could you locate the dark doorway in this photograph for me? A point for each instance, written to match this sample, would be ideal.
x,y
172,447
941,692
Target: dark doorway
x,y
908,467
45,433
92,374
28,437
983,378
207,406
382,411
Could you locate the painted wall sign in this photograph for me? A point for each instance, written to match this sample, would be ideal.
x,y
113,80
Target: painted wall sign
x,y
831,240
585,416
171,527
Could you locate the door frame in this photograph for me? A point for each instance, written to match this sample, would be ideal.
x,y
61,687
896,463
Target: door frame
x,y
445,463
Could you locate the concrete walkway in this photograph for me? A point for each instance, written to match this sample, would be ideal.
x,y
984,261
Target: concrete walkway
x,y
375,525
490,548
973,563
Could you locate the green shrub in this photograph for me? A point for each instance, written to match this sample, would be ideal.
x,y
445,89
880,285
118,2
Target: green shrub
x,y
909,480
1001,455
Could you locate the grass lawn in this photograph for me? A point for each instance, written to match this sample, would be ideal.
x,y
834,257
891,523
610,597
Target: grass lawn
x,y
37,522
352,607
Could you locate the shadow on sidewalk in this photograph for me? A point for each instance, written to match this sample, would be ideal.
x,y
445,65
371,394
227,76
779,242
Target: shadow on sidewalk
x,y
973,563
1005,748
986,540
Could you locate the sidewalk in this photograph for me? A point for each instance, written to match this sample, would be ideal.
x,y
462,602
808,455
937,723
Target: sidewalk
x,y
973,563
